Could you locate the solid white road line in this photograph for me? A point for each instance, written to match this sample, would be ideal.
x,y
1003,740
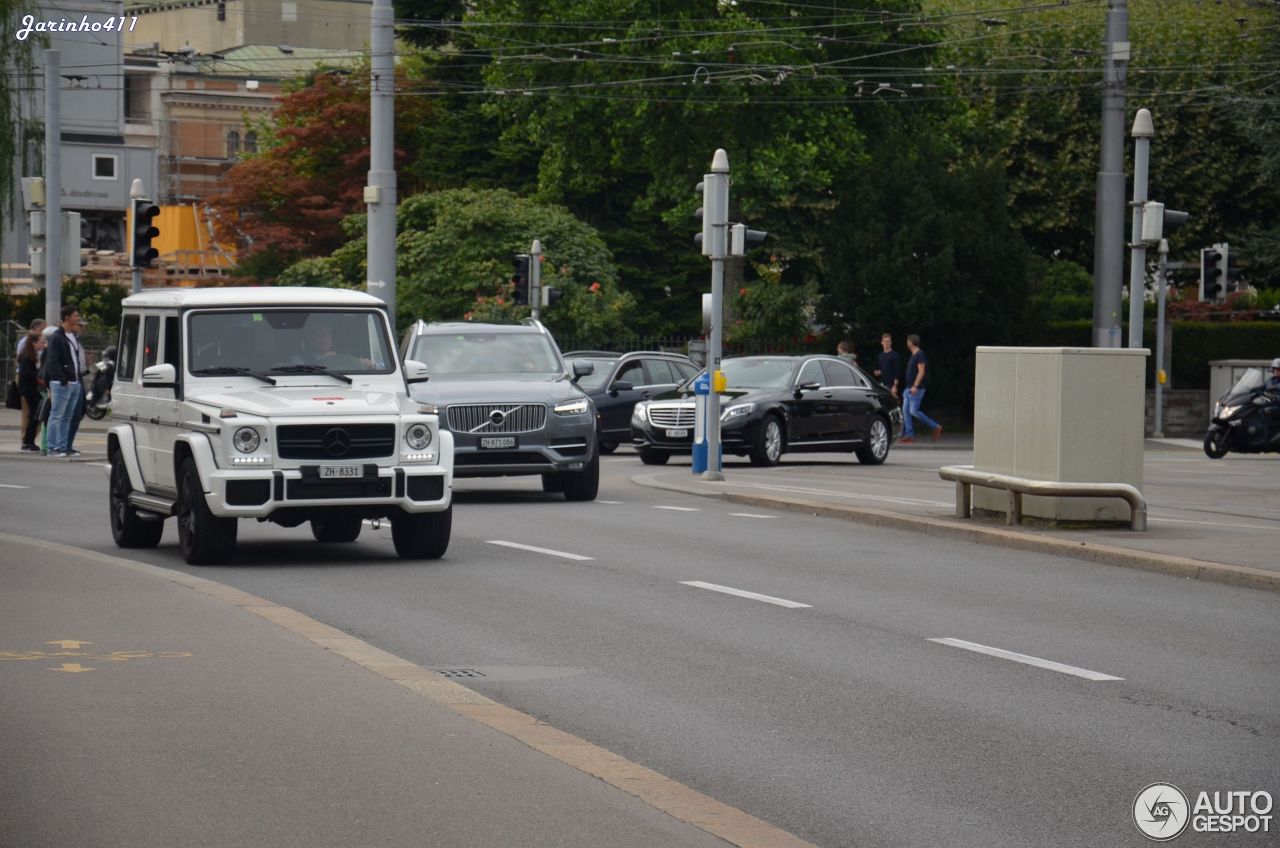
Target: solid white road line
x,y
537,550
750,515
679,508
615,503
1023,658
768,599
11,486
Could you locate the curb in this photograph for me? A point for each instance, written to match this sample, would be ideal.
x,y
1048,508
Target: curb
x,y
1191,569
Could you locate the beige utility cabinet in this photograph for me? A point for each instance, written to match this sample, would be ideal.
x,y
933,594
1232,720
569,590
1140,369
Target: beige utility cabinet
x,y
1063,414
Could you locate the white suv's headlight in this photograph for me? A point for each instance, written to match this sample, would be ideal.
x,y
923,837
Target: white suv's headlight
x,y
737,410
246,440
640,414
418,436
571,407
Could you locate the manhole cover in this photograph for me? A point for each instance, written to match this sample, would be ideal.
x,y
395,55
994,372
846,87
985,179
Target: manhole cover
x,y
458,672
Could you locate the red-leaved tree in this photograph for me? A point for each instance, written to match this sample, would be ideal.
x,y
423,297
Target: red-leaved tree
x,y
288,201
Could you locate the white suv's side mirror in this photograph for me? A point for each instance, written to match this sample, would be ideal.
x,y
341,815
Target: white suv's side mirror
x,y
162,376
415,372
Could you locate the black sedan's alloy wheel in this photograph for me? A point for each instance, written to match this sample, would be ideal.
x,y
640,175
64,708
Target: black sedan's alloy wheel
x,y
876,449
767,449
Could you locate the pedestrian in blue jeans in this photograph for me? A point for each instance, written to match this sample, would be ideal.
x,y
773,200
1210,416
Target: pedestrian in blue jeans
x,y
917,381
63,366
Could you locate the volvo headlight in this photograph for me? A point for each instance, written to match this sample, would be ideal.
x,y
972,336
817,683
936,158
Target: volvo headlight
x,y
737,410
640,414
418,436
571,407
246,440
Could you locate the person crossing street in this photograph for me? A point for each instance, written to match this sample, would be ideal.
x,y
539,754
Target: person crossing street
x,y
917,381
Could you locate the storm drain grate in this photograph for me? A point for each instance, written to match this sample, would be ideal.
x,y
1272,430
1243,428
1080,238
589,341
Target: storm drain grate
x,y
458,672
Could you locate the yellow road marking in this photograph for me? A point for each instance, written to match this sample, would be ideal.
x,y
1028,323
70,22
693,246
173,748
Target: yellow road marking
x,y
68,644
72,668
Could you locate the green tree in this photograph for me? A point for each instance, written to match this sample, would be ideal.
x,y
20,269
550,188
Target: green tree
x,y
454,259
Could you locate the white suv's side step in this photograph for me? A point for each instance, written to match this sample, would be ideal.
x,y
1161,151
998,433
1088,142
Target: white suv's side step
x,y
151,503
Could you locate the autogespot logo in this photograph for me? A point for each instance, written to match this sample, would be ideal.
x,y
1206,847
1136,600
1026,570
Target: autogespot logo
x,y
1161,811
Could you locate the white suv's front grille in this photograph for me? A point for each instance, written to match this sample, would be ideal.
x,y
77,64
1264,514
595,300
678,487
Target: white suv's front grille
x,y
497,417
673,415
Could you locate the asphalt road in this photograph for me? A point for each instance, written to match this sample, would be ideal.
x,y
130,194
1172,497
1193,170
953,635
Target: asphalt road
x,y
826,708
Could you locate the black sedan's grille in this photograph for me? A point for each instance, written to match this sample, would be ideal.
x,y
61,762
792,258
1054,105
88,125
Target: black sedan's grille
x,y
335,441
671,415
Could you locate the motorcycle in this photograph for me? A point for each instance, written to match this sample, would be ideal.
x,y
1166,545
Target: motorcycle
x,y
1246,419
97,401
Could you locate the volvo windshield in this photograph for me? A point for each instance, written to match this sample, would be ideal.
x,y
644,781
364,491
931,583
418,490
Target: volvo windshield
x,y
451,354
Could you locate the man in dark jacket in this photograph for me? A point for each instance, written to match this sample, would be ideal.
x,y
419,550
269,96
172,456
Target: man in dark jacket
x,y
63,366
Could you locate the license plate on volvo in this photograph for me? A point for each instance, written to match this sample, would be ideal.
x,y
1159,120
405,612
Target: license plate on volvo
x,y
341,472
491,442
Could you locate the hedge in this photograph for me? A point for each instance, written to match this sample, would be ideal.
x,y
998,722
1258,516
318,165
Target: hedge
x,y
1195,345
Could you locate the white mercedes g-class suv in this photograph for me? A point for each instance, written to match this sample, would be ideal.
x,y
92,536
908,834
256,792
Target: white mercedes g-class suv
x,y
281,404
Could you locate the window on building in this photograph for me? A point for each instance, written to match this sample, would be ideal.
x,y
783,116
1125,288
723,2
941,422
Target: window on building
x,y
251,142
104,166
137,98
222,11
233,144
289,11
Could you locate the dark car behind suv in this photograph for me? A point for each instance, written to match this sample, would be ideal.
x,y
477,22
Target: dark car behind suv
x,y
509,398
777,404
621,379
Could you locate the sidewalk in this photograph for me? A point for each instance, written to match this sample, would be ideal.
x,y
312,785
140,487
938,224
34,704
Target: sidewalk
x,y
912,497
150,707
91,438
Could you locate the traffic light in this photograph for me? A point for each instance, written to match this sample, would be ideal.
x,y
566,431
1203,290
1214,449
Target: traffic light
x,y
521,279
550,295
743,239
144,211
1212,279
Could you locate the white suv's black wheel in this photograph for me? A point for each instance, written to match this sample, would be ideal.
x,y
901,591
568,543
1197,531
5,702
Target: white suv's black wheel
x,y
422,535
337,529
583,485
876,449
204,538
129,530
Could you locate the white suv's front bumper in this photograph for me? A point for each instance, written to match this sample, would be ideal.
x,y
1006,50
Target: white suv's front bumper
x,y
258,493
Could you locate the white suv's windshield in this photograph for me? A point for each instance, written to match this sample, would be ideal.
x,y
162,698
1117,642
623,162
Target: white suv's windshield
x,y
485,353
284,341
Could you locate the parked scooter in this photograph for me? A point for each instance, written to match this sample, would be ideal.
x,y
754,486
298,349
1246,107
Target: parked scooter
x,y
1246,419
97,401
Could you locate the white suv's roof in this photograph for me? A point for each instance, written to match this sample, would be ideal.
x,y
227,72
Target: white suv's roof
x,y
250,296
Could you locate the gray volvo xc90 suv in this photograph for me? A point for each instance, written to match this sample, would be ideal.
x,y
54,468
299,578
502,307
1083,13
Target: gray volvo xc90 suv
x,y
511,402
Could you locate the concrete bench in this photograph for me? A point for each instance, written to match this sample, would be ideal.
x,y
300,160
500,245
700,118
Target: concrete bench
x,y
966,476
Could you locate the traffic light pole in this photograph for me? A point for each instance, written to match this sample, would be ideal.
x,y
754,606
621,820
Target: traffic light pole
x,y
535,278
1161,282
1142,132
715,245
136,193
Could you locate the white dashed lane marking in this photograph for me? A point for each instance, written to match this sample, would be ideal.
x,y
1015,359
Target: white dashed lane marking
x,y
742,593
1026,660
537,550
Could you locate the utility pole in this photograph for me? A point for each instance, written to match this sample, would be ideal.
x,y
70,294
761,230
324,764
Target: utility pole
x,y
1143,131
535,278
380,192
53,186
1108,238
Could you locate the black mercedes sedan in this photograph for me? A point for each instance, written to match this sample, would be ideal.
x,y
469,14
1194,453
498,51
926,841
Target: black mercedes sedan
x,y
777,404
622,379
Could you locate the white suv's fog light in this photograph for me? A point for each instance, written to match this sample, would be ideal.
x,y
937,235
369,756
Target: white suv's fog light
x,y
418,436
246,440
